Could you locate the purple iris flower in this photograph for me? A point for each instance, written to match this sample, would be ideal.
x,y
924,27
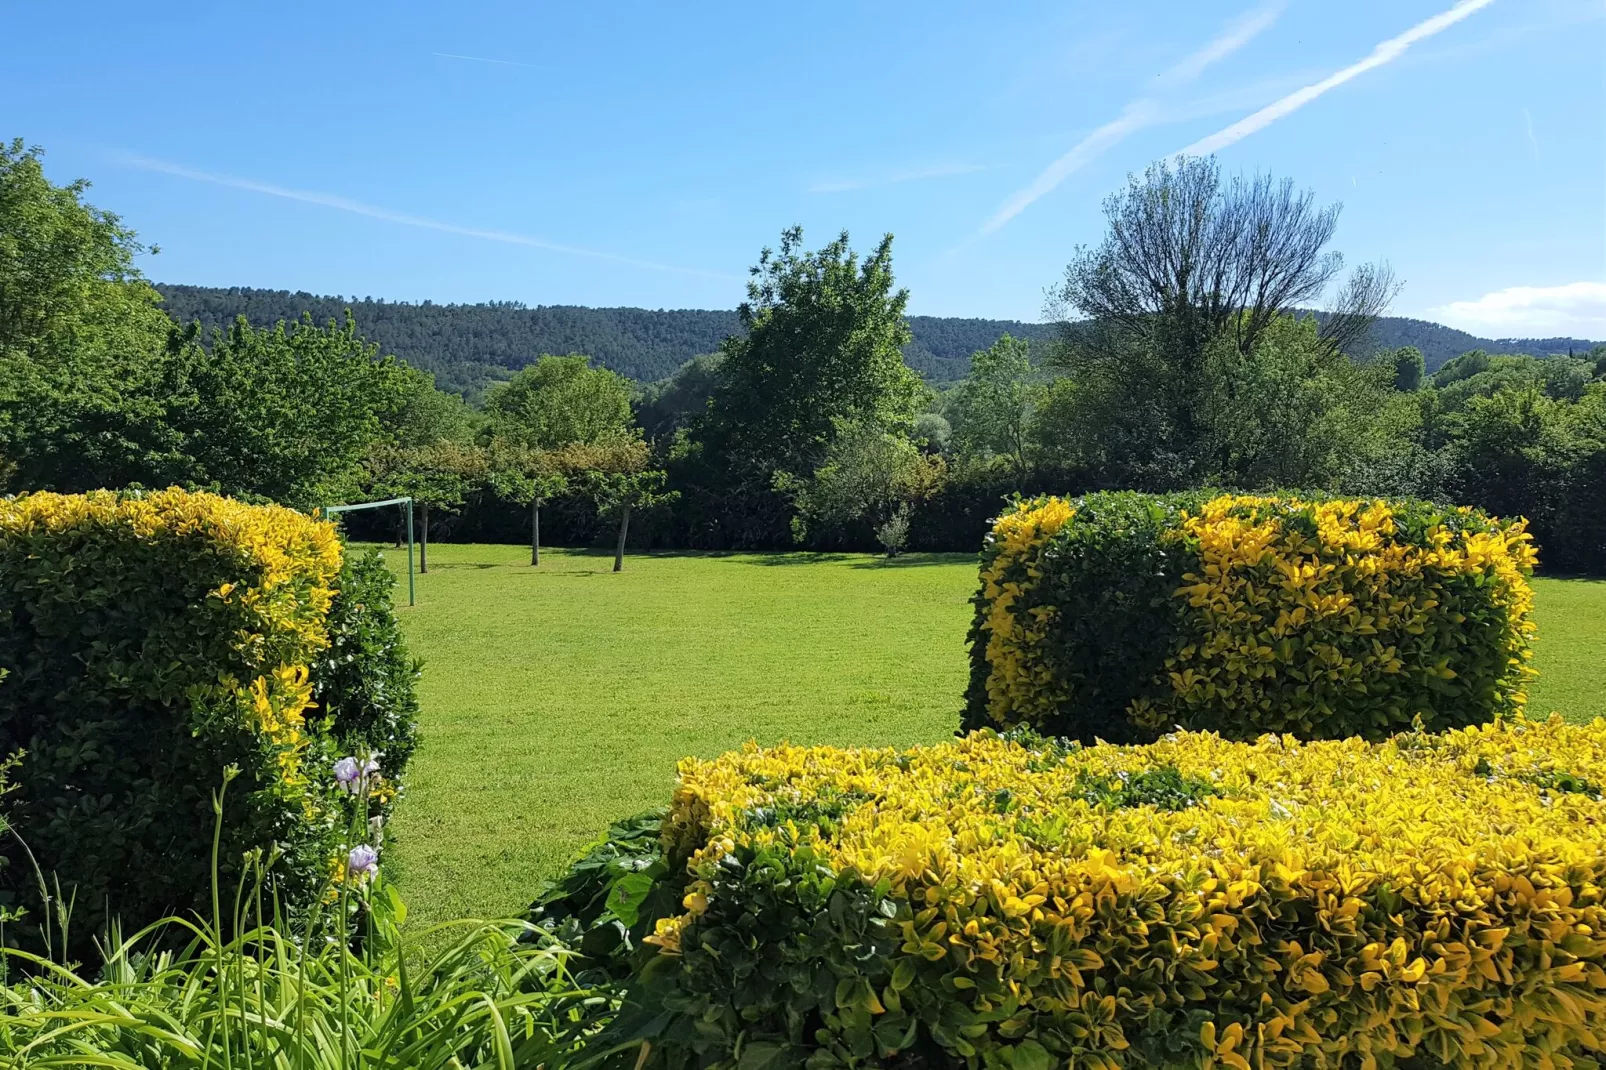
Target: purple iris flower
x,y
353,774
362,863
347,773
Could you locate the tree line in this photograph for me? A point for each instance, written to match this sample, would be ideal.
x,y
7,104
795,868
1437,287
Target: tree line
x,y
1179,355
470,347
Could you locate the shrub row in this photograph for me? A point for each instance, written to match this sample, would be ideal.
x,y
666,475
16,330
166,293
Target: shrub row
x,y
1426,901
1119,616
149,641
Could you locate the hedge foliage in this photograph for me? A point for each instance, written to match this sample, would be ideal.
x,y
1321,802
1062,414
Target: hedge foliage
x,y
150,640
1119,616
1433,900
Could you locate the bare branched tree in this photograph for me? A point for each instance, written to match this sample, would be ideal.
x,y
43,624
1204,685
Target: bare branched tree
x,y
1189,256
1192,268
1365,296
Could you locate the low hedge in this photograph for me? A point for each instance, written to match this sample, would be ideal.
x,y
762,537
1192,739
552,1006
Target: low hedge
x,y
149,641
1426,901
1118,616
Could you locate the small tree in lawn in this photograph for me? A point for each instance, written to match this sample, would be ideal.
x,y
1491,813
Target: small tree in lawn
x,y
527,477
616,474
440,475
621,493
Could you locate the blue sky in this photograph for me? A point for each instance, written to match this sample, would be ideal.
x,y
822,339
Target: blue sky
x,y
641,154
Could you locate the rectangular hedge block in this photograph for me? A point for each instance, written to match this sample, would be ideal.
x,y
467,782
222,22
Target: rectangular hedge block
x,y
1118,616
1425,901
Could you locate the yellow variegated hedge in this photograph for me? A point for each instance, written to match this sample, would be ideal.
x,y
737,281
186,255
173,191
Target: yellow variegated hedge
x,y
1120,616
1426,901
148,640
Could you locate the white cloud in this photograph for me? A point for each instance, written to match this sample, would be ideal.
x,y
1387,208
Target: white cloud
x,y
1138,114
893,178
345,204
1386,52
1574,310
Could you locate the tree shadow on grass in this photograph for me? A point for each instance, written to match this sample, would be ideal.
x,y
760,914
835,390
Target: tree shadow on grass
x,y
917,560
798,557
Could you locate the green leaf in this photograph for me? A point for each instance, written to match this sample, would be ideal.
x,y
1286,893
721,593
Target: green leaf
x,y
903,974
1030,1055
760,1055
627,895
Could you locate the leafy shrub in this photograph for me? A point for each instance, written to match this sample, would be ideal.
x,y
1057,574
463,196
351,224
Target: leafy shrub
x,y
1195,902
152,640
609,899
1119,616
365,679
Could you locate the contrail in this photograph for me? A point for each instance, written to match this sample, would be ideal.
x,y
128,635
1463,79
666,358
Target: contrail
x,y
1387,52
1138,114
487,59
330,200
896,178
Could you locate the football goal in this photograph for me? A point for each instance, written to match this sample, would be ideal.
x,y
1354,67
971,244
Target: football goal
x,y
406,507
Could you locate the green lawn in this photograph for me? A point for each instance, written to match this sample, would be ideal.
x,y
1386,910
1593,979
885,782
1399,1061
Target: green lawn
x,y
1570,651
556,700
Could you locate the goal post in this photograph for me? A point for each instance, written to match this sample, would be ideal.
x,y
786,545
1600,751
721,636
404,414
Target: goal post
x,y
406,506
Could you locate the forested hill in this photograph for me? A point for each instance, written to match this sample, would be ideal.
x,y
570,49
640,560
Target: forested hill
x,y
1440,344
470,346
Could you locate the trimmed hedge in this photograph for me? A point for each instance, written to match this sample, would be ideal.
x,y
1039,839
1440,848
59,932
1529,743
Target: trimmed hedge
x,y
1118,616
1426,901
152,639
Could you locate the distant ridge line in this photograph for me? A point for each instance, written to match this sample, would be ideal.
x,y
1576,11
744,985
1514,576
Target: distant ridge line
x,y
469,346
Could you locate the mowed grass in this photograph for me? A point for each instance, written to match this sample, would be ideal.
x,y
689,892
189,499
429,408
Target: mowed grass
x,y
558,700
1570,649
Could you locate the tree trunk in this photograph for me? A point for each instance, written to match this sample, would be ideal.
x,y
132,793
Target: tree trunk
x,y
535,531
401,529
423,542
619,551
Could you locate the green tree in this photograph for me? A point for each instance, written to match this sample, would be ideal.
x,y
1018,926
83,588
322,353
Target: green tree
x,y
618,475
823,344
991,410
1468,364
81,337
527,477
620,494
286,412
430,414
439,475
933,432
1189,261
1409,368
670,404
869,475
1291,412
559,400
68,284
822,340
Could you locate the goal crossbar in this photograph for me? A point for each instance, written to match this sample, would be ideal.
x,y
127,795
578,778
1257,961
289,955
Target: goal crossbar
x,y
406,505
